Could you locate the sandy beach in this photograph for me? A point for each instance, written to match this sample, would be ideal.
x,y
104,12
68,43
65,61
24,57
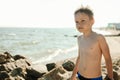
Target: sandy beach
x,y
114,43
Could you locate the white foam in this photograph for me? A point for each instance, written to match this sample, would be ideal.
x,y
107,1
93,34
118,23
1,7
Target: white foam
x,y
70,49
57,54
49,57
12,34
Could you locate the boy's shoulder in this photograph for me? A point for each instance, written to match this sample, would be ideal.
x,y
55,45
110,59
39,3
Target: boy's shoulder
x,y
96,36
100,36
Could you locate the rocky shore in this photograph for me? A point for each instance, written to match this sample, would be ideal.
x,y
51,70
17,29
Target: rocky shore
x,y
19,67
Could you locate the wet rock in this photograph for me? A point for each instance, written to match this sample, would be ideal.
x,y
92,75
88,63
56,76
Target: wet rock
x,y
68,65
50,66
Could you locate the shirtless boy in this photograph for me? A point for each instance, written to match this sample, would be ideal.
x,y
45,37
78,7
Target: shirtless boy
x,y
91,47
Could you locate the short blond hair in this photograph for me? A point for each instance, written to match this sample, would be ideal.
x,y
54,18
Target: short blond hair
x,y
85,10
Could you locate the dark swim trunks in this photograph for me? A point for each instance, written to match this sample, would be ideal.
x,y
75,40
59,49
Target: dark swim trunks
x,y
83,78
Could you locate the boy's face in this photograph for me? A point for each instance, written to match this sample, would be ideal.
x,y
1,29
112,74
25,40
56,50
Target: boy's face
x,y
83,22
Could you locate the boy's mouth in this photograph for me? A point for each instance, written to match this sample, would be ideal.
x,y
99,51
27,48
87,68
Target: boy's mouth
x,y
80,28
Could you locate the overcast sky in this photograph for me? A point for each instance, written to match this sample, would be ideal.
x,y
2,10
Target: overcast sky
x,y
55,13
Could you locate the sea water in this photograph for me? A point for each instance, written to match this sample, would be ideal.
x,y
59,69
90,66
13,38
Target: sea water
x,y
40,45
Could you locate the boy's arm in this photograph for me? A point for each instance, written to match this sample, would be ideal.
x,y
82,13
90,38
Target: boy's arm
x,y
77,63
75,69
106,53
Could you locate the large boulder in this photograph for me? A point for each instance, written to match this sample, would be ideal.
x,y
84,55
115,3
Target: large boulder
x,y
13,69
58,73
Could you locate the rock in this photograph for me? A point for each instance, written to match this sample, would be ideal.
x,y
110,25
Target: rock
x,y
116,68
17,78
4,75
50,66
2,59
16,57
115,76
40,68
3,67
119,77
21,63
56,74
75,36
6,57
33,73
29,63
118,62
68,65
10,66
22,69
9,57
16,72
11,69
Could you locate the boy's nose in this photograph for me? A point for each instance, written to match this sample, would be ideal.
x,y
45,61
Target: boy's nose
x,y
79,27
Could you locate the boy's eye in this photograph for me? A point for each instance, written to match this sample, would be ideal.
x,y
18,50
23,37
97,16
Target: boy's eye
x,y
76,21
82,20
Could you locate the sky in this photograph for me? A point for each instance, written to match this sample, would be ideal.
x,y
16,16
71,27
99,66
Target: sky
x,y
55,13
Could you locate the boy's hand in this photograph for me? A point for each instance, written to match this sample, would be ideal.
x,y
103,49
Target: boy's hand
x,y
73,78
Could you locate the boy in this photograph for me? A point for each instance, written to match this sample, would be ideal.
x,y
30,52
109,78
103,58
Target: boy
x,y
91,47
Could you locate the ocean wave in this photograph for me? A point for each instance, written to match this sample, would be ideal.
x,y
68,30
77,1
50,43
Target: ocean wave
x,y
12,34
56,55
48,58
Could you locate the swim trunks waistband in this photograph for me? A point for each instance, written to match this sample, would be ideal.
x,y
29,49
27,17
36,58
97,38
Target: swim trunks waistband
x,y
83,78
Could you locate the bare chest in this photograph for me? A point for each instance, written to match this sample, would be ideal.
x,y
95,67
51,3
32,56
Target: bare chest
x,y
88,45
